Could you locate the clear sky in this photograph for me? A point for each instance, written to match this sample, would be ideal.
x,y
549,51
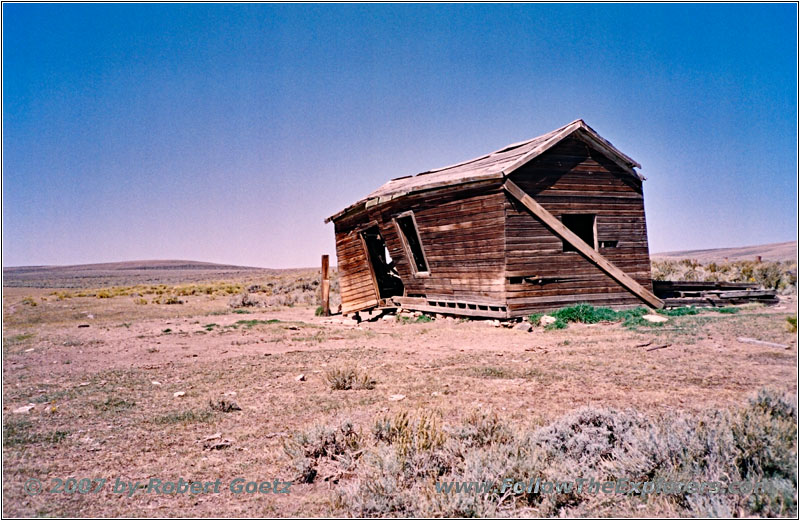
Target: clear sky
x,y
227,133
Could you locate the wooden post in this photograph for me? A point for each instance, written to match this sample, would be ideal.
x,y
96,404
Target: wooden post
x,y
326,288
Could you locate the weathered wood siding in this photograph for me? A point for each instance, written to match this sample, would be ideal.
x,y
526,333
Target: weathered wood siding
x,y
355,278
572,178
461,231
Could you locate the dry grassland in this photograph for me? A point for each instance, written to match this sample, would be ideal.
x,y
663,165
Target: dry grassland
x,y
103,373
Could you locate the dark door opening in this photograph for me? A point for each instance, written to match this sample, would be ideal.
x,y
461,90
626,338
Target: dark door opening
x,y
386,276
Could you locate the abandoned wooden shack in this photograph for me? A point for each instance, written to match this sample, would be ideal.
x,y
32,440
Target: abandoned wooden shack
x,y
555,220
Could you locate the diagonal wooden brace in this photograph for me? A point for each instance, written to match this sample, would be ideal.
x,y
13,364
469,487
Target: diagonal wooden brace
x,y
552,222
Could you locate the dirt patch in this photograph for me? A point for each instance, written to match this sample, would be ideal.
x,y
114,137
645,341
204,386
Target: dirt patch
x,y
108,404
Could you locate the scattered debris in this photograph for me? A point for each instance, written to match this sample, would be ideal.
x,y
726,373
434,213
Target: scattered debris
x,y
178,394
155,382
396,397
524,326
645,344
29,350
83,325
83,384
300,378
760,342
664,346
218,445
711,294
25,409
215,436
656,319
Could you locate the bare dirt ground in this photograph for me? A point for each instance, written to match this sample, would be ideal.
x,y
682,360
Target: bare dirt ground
x,y
105,403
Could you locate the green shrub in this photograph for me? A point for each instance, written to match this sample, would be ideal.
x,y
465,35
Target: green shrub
x,y
560,323
679,312
535,318
792,324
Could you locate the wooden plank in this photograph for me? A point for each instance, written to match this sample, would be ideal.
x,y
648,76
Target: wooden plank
x,y
326,287
747,340
603,263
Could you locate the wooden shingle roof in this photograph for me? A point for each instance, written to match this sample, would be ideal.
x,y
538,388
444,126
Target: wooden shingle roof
x,y
495,165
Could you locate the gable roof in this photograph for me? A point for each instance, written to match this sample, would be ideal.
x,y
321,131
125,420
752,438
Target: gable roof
x,y
495,165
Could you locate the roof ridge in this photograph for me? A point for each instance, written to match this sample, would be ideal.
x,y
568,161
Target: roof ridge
x,y
497,168
498,151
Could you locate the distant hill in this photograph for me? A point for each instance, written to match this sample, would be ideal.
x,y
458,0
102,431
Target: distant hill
x,y
131,265
779,251
125,273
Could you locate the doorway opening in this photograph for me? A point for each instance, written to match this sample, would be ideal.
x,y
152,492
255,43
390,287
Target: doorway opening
x,y
386,276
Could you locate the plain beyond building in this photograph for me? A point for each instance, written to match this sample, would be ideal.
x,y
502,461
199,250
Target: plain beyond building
x,y
544,223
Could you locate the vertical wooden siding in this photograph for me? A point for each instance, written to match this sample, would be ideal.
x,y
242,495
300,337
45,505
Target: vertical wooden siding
x,y
355,278
571,178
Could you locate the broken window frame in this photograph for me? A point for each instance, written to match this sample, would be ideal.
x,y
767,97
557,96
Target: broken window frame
x,y
566,246
412,259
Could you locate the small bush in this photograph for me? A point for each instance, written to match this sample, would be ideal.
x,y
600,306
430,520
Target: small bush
x,y
243,300
348,378
535,318
188,416
791,324
247,324
308,450
492,372
560,323
223,406
729,310
114,403
679,312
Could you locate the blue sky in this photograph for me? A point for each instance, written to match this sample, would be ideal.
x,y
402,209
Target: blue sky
x,y
227,133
